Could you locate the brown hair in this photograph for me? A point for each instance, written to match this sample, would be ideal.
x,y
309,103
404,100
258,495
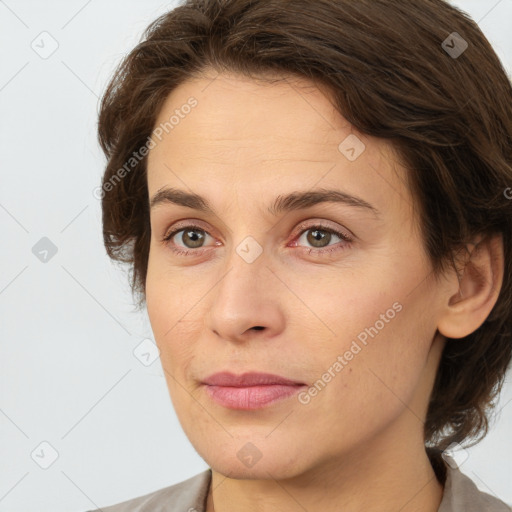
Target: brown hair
x,y
449,117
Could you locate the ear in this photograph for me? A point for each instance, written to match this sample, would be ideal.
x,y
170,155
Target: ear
x,y
472,295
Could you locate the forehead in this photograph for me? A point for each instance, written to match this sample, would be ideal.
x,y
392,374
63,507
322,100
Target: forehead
x,y
287,111
259,135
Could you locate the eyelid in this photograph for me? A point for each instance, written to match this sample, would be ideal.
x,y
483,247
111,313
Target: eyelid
x,y
304,225
301,228
190,226
185,224
322,224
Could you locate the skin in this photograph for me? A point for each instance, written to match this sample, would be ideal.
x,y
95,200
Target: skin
x,y
358,444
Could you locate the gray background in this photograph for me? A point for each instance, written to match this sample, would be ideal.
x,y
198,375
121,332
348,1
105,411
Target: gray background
x,y
69,376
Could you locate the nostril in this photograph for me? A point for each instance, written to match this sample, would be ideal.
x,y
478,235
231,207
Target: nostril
x,y
258,327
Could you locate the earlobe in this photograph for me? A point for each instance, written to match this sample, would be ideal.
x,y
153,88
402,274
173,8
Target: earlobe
x,y
477,287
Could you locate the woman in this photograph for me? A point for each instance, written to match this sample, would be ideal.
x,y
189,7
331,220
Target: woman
x,y
314,198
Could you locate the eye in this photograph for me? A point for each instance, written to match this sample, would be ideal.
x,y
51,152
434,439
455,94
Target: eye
x,y
320,236
192,236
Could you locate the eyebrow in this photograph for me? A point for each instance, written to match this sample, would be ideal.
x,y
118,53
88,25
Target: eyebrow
x,y
281,204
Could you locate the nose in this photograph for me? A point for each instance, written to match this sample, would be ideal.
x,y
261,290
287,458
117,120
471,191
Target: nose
x,y
247,299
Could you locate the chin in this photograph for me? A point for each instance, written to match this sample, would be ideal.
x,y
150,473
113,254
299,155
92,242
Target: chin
x,y
268,470
255,460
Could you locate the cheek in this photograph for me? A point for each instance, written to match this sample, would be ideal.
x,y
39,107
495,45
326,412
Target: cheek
x,y
171,320
344,305
166,295
373,385
376,339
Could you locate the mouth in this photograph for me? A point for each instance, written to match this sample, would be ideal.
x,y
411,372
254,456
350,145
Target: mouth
x,y
249,391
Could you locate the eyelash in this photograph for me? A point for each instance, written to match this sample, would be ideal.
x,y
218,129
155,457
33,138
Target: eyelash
x,y
304,228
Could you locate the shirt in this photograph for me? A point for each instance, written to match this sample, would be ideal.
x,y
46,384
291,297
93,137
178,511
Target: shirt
x,y
460,495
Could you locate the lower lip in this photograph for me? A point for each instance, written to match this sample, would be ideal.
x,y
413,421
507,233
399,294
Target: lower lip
x,y
251,397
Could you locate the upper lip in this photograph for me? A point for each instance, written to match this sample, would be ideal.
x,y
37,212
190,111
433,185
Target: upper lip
x,y
247,379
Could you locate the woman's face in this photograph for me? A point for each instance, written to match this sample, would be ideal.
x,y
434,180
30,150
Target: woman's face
x,y
268,286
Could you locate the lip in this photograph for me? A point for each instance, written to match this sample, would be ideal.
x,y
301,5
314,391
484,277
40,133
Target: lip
x,y
248,379
252,390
